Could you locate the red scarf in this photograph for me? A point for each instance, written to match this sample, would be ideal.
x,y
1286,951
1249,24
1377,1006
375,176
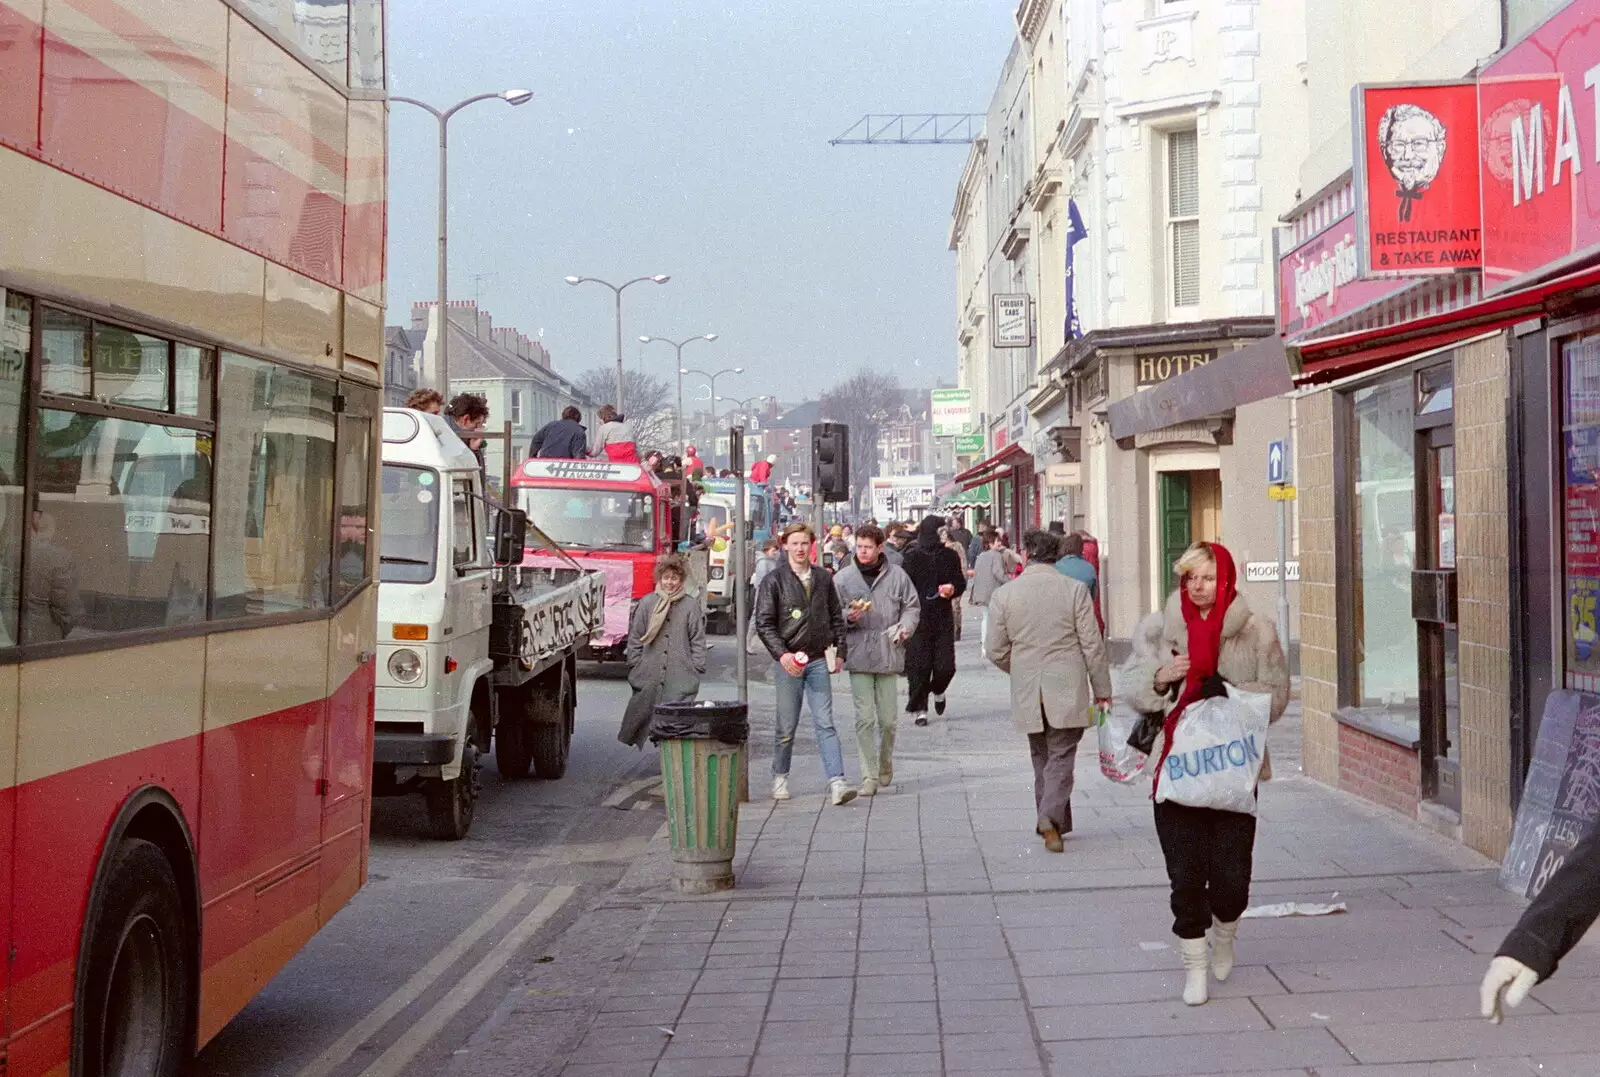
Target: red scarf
x,y
1205,643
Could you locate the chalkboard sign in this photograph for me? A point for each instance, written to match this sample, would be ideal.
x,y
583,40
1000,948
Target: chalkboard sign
x,y
1561,800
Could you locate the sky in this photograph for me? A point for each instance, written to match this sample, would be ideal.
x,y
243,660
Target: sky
x,y
691,138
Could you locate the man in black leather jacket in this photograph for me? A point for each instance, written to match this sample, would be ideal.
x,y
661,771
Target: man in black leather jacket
x,y
797,618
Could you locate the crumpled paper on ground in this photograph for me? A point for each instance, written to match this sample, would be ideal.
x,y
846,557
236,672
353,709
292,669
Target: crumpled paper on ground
x,y
1294,908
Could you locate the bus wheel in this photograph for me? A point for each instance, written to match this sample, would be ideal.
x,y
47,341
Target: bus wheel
x,y
451,804
137,989
513,753
550,732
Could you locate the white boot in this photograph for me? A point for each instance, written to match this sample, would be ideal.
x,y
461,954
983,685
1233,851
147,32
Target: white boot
x,y
1196,958
1222,940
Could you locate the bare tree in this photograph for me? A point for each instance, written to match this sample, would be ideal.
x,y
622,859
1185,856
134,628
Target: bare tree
x,y
649,402
864,401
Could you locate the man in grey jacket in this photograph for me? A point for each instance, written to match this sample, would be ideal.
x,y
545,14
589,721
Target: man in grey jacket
x,y
881,612
1042,631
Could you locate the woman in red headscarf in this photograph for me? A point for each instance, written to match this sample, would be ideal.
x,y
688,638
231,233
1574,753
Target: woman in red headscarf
x,y
1209,636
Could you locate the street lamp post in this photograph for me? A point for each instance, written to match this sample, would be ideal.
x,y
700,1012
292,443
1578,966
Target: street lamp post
x,y
678,414
510,97
712,378
617,289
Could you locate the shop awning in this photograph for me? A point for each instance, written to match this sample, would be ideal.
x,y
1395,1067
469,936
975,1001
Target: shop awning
x,y
975,498
992,468
1254,372
1347,354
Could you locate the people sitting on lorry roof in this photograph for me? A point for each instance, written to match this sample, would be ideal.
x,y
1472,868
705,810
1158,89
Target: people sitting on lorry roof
x,y
427,400
469,412
565,438
614,441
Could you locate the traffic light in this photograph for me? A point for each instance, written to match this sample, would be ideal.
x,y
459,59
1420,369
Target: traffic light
x,y
830,461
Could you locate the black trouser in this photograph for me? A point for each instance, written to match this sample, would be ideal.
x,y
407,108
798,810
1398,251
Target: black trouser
x,y
921,681
1208,856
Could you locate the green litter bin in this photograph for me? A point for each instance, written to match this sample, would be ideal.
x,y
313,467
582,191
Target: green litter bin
x,y
702,753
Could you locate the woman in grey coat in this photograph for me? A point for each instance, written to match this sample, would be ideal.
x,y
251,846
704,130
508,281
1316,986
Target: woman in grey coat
x,y
881,612
666,649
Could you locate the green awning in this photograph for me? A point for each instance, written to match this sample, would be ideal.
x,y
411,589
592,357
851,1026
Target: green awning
x,y
977,497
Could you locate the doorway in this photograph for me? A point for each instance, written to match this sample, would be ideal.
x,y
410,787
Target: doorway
x,y
1433,589
1189,510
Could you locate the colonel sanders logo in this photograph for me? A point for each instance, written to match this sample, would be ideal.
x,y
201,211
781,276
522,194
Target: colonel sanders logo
x,y
1412,141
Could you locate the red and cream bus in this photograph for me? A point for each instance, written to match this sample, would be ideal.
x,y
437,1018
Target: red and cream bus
x,y
191,347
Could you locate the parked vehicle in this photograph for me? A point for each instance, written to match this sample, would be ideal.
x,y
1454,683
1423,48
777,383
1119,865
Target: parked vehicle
x,y
474,650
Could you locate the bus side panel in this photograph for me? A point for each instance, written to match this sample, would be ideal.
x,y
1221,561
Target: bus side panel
x,y
261,821
352,669
79,758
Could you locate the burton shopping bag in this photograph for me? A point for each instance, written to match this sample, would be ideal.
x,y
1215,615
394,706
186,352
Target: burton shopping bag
x,y
1216,753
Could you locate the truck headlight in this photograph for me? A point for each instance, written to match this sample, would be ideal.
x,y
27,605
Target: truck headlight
x,y
405,665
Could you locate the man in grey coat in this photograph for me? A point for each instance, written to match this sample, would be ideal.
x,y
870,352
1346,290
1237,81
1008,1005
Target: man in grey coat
x,y
881,612
1042,631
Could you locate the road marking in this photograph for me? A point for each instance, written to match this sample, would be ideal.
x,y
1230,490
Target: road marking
x,y
415,1038
620,795
413,989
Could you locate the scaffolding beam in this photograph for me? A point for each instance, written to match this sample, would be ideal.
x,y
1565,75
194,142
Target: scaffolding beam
x,y
913,129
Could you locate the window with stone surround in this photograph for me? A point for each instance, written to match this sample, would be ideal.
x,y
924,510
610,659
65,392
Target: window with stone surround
x,y
1183,219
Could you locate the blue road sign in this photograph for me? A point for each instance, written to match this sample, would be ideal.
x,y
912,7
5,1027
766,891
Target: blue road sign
x,y
1278,463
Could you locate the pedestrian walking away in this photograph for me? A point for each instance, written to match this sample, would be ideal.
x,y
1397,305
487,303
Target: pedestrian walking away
x,y
1209,638
992,569
931,651
881,613
1073,564
562,439
1552,925
798,617
1043,633
666,649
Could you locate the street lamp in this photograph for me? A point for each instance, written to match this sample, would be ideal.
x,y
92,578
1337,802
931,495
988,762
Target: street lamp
x,y
510,97
712,378
659,278
678,414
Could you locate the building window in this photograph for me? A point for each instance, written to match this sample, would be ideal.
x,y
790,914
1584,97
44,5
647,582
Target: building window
x,y
1384,551
516,407
1183,218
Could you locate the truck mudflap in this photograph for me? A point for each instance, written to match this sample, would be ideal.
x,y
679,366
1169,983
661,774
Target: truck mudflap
x,y
414,749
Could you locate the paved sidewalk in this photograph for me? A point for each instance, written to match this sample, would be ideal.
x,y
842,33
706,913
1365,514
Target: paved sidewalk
x,y
926,931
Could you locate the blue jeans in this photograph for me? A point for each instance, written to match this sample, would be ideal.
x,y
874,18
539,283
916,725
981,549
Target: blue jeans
x,y
815,685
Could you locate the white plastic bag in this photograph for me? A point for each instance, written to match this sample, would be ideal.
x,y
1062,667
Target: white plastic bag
x,y
1120,761
1216,753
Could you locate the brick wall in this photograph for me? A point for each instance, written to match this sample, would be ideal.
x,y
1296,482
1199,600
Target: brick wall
x,y
1376,770
1319,639
1481,385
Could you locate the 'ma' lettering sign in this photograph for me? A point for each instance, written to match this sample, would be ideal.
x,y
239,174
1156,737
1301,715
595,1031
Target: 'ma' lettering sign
x,y
1155,369
1540,165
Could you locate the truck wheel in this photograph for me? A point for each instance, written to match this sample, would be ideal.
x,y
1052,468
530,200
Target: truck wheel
x,y
451,804
512,752
550,732
136,989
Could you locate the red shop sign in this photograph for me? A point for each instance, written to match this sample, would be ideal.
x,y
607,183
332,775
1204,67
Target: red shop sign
x,y
1320,280
1416,178
1539,173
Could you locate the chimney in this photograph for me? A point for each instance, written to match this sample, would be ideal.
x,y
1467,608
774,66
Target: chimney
x,y
485,327
419,317
464,312
523,346
505,337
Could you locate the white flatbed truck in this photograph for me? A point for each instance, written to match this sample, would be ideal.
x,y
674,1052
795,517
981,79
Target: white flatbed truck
x,y
474,651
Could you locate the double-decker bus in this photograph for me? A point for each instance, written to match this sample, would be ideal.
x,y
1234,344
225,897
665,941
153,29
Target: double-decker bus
x,y
191,347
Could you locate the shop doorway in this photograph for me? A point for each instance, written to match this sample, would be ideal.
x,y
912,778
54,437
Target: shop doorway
x,y
1189,510
1433,593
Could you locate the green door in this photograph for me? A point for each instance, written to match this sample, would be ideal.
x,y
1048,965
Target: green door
x,y
1173,489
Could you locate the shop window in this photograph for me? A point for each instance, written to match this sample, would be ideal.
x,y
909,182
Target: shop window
x,y
1580,425
275,490
119,533
1384,548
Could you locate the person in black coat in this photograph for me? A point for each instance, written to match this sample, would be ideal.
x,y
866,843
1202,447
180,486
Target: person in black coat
x,y
931,651
565,438
1567,907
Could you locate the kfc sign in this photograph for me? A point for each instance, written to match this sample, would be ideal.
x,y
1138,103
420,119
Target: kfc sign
x,y
1416,179
1540,165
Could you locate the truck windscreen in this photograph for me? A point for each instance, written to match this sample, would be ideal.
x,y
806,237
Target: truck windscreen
x,y
410,524
591,519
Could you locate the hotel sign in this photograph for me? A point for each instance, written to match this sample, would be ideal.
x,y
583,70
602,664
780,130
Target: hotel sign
x,y
1155,369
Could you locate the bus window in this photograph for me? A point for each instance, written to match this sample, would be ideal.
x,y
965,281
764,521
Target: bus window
x,y
355,502
274,508
15,340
